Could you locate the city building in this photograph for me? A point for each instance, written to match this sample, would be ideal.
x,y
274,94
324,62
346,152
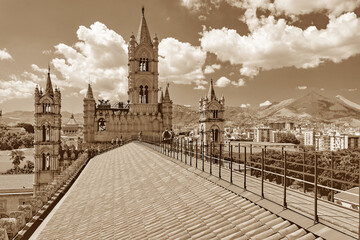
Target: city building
x,y
322,142
338,141
309,137
353,142
143,113
262,134
212,111
47,134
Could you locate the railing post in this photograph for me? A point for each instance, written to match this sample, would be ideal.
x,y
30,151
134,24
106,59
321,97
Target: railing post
x,y
202,155
262,172
244,167
220,160
231,163
177,149
251,170
332,176
190,152
239,158
303,170
359,205
211,143
181,149
186,150
196,153
316,218
285,174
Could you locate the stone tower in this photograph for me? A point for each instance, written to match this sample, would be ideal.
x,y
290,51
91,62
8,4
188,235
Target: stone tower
x,y
143,67
211,120
167,109
89,116
47,134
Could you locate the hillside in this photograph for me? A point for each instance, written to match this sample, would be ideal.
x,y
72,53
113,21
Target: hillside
x,y
310,107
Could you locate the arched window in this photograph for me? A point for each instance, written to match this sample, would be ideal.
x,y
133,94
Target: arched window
x,y
215,113
48,161
101,125
216,135
141,94
43,158
43,131
144,65
47,134
146,94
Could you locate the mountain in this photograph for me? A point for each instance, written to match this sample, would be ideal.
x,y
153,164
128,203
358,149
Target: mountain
x,y
13,118
312,106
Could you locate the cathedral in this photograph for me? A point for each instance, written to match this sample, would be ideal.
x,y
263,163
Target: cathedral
x,y
144,113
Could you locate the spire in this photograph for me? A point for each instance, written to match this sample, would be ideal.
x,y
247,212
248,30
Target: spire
x,y
162,96
89,93
49,88
143,35
211,93
167,96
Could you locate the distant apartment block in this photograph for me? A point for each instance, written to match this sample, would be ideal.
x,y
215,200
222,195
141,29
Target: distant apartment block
x,y
282,126
309,138
353,142
331,142
262,134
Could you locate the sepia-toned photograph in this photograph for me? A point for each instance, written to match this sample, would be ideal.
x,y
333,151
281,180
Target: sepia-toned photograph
x,y
180,119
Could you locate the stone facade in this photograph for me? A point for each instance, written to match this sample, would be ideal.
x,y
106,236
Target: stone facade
x,y
143,113
211,120
47,134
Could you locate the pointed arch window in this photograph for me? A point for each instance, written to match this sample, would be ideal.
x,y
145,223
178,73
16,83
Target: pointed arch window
x,y
141,94
46,107
47,161
215,113
146,94
48,130
43,161
144,65
43,131
101,125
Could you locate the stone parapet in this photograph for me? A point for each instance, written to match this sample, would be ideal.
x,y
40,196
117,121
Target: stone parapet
x,y
10,225
27,209
3,234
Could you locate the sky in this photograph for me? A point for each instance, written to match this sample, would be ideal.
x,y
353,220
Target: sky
x,y
257,52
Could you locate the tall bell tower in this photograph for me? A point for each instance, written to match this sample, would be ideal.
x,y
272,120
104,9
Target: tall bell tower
x,y
143,66
211,119
47,134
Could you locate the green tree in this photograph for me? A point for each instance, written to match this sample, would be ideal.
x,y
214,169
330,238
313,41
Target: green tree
x,y
17,156
288,138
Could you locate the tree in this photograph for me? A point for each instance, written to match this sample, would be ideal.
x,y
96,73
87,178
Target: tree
x,y
17,156
287,138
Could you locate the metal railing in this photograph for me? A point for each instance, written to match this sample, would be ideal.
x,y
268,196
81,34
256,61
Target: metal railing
x,y
314,174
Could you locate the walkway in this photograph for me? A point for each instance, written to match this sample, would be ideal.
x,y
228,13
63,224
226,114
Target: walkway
x,y
134,192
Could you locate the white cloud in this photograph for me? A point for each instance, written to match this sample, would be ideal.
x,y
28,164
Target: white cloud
x,y
273,44
302,87
16,87
352,89
211,68
333,7
266,103
100,56
239,83
46,52
245,105
5,55
168,19
222,82
182,63
199,87
201,5
322,89
202,18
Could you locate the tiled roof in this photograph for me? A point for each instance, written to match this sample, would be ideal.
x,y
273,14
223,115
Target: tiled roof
x,y
135,193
